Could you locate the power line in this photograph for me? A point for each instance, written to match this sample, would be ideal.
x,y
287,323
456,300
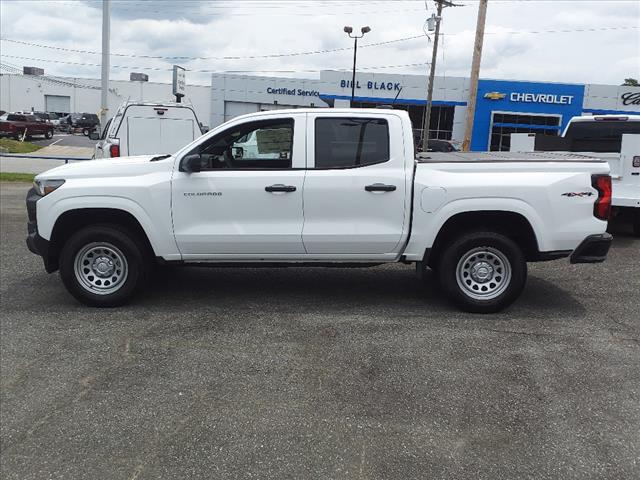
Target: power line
x,y
311,52
232,57
14,69
158,69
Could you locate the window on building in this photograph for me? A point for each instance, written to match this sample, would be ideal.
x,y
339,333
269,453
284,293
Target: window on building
x,y
504,124
440,125
350,142
266,144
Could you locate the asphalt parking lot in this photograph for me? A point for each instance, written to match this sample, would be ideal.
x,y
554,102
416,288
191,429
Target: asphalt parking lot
x,y
318,373
65,140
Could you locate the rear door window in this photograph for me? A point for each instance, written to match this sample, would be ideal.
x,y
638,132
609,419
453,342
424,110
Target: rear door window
x,y
350,142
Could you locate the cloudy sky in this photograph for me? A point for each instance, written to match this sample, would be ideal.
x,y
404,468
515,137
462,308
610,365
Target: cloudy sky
x,y
565,41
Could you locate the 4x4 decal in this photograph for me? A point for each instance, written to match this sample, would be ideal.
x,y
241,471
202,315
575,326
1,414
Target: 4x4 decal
x,y
577,194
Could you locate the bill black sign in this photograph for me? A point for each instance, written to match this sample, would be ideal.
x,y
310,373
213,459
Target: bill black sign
x,y
387,86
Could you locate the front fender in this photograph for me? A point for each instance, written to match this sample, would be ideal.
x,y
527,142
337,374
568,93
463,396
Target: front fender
x,y
157,228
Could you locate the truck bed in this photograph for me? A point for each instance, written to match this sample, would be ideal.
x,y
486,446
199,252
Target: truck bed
x,y
462,157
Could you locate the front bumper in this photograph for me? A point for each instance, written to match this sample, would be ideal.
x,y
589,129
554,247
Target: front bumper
x,y
35,243
593,249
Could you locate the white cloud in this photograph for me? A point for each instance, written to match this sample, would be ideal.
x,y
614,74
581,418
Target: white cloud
x,y
222,28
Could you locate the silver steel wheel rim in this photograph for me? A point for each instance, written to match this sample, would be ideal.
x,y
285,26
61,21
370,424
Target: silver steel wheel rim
x,y
101,268
483,273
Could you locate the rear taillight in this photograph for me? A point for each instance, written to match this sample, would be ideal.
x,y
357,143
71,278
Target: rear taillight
x,y
636,161
114,151
602,207
12,127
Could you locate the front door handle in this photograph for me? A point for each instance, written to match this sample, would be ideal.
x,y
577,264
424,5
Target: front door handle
x,y
380,187
280,188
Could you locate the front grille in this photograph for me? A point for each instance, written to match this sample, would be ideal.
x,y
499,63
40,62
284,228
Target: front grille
x,y
32,198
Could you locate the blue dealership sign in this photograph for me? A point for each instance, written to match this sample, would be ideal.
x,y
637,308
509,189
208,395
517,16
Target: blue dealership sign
x,y
560,99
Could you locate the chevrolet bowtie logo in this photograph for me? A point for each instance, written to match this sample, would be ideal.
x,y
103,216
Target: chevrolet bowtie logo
x,y
495,95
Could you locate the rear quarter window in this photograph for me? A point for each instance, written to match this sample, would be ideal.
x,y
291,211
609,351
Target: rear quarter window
x,y
351,142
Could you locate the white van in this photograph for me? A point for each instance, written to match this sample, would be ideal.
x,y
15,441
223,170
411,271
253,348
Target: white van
x,y
140,128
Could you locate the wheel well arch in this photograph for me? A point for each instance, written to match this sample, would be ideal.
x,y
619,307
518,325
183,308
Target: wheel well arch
x,y
73,220
511,224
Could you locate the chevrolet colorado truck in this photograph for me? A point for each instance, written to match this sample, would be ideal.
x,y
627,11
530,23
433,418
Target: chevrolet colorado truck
x,y
324,187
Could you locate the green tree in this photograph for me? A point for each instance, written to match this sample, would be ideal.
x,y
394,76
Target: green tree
x,y
630,82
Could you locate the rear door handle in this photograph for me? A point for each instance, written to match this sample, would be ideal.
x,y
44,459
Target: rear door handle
x,y
380,187
280,188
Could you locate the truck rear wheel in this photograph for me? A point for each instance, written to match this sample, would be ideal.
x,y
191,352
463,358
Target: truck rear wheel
x,y
635,219
483,272
103,265
48,134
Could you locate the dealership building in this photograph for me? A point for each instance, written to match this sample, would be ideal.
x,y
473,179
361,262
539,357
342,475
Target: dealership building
x,y
503,106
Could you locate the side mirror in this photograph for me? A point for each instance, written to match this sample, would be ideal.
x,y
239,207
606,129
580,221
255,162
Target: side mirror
x,y
94,135
191,163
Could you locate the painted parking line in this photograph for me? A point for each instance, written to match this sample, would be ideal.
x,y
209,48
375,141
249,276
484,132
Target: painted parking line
x,y
59,140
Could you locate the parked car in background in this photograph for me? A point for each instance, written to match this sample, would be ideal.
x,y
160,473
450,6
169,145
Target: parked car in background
x,y
18,125
50,117
441,146
146,128
86,122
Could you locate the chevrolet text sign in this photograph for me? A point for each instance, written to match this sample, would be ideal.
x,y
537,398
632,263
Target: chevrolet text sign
x,y
541,98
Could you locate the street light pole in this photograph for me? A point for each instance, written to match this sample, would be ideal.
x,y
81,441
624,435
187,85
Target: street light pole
x,y
353,76
349,30
106,33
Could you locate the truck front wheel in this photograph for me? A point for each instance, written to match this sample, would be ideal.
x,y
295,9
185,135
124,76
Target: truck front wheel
x,y
483,272
103,265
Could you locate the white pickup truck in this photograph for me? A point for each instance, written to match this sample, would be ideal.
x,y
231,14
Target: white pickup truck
x,y
614,138
321,186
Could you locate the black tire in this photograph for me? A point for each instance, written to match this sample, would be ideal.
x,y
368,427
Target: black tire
x,y
635,222
48,134
86,132
116,243
496,264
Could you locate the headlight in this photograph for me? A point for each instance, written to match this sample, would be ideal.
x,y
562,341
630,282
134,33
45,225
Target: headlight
x,y
44,187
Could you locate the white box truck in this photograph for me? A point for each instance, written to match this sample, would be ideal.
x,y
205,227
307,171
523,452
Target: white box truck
x,y
147,128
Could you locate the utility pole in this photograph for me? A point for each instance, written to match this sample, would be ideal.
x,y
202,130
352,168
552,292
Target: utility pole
x,y
106,32
426,120
475,74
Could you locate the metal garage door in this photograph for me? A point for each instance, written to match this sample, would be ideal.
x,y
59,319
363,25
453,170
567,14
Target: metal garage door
x,y
57,103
